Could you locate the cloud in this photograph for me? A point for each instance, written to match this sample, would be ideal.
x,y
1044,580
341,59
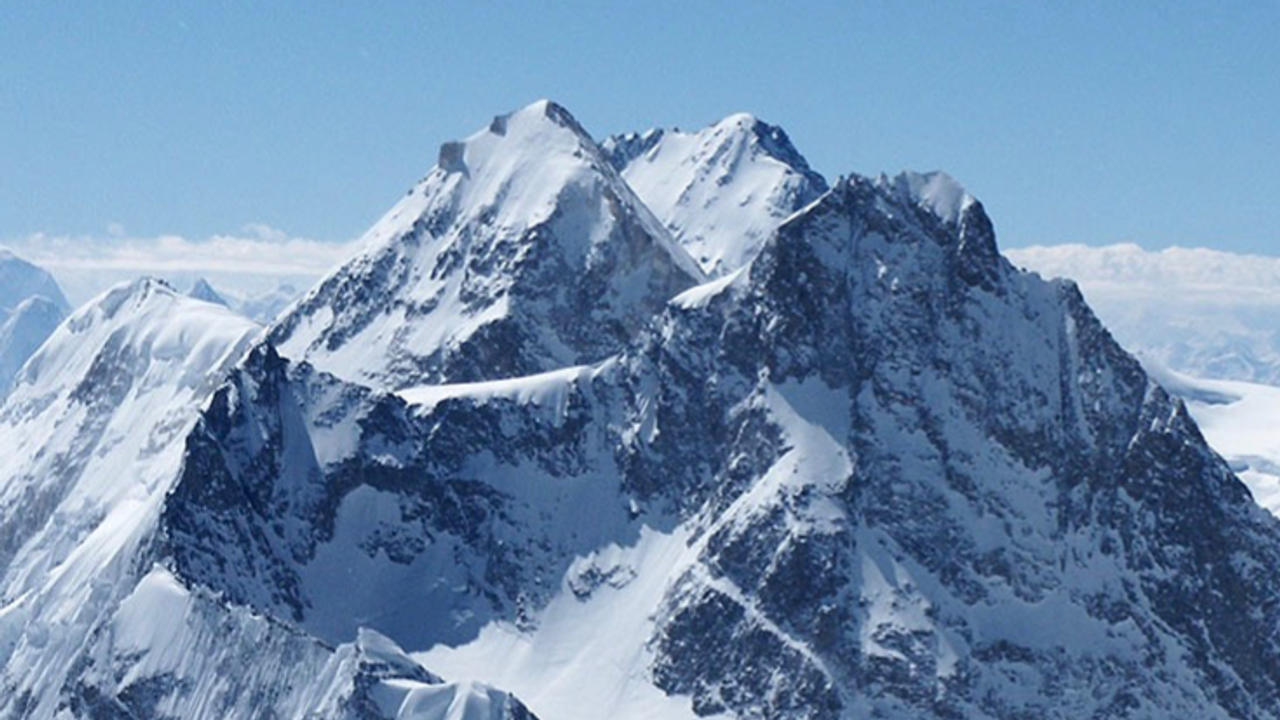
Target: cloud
x,y
1174,273
258,249
1204,312
255,257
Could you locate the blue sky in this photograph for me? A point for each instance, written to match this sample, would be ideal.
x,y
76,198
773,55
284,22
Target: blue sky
x,y
1073,122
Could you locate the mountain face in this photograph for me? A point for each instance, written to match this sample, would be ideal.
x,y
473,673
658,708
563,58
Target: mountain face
x,y
521,251
722,190
875,471
878,473
1239,420
31,306
22,332
92,432
92,623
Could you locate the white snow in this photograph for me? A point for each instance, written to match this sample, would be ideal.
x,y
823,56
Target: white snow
x,y
588,658
935,191
544,389
720,190
532,186
93,433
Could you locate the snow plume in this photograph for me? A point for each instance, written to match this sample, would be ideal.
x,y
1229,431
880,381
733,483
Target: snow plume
x,y
257,258
1207,313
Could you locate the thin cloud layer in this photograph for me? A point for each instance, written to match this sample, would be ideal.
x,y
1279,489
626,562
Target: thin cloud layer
x,y
1203,312
259,249
254,259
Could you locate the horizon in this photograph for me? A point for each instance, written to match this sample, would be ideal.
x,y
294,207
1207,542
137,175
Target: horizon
x,y
307,136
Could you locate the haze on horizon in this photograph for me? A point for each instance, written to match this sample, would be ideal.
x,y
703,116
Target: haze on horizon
x,y
1091,123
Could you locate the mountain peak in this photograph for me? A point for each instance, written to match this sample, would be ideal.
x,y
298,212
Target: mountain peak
x,y
936,191
20,280
202,290
522,224
721,190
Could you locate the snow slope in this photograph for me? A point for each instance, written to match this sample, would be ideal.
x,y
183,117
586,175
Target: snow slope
x,y
721,190
20,280
92,623
93,435
521,251
25,328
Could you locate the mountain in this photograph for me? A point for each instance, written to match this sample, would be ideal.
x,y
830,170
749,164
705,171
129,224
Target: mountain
x,y
521,251
265,307
202,290
25,328
878,473
722,190
31,306
875,472
92,624
92,430
1205,313
20,280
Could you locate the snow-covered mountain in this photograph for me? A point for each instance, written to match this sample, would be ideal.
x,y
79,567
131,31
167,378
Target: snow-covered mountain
x,y
1206,313
31,306
22,331
265,307
875,471
722,190
521,251
92,432
262,307
92,624
20,280
202,290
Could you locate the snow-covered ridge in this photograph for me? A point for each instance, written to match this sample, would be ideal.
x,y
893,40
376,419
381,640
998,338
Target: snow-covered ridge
x,y
1241,421
93,435
721,190
20,280
202,290
521,251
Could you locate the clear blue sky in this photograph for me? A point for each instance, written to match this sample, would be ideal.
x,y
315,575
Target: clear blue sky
x,y
1072,121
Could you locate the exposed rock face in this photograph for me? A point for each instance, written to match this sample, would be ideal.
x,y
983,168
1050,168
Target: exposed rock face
x,y
913,482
